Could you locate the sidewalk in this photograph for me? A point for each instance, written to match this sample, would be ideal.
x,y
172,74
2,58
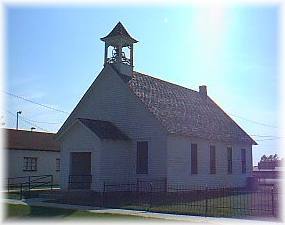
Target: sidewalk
x,y
170,217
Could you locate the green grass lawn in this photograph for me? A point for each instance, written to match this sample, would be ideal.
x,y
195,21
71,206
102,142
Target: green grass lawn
x,y
12,195
27,212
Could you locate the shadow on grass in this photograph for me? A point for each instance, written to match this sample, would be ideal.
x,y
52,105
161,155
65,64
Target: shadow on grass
x,y
26,211
44,212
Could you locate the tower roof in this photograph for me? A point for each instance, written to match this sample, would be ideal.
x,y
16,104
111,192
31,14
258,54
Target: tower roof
x,y
119,31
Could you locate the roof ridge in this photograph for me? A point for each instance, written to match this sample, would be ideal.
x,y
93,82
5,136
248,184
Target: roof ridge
x,y
93,119
28,131
180,86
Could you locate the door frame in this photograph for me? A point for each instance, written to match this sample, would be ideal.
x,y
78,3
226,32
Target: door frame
x,y
79,181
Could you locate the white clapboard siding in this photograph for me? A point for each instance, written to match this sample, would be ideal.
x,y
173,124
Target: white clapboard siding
x,y
179,163
109,99
79,139
46,163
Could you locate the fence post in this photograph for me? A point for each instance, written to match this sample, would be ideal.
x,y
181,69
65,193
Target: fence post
x,y
137,185
29,186
137,195
150,199
21,191
29,178
206,207
103,195
51,182
272,200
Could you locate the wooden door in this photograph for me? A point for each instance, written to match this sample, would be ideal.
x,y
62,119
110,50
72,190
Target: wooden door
x,y
80,170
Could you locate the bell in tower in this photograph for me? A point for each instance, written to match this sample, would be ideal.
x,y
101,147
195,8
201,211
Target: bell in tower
x,y
121,54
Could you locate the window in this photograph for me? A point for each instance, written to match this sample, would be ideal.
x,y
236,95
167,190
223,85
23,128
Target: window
x,y
57,164
194,164
230,160
142,157
243,161
30,164
212,159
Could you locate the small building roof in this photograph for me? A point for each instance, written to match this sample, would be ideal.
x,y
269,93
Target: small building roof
x,y
30,140
104,129
277,169
119,30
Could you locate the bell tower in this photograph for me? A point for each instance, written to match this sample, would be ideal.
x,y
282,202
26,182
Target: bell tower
x,y
119,50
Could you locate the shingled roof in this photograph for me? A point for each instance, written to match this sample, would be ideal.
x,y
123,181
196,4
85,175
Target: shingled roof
x,y
183,111
27,140
119,30
104,129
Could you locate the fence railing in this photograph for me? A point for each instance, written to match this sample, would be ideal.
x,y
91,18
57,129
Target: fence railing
x,y
139,185
25,184
80,181
206,201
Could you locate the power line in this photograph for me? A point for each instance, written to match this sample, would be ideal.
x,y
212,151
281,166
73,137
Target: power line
x,y
28,122
40,104
271,136
253,121
62,111
35,121
269,139
33,124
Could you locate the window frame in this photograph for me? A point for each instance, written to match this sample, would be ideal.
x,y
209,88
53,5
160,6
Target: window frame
x,y
57,164
140,167
230,160
30,164
213,168
243,161
194,159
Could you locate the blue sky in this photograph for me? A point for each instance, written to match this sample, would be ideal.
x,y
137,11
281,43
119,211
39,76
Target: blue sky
x,y
53,54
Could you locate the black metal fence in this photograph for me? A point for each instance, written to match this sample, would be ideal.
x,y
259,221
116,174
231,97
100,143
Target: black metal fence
x,y
79,181
140,185
19,186
178,199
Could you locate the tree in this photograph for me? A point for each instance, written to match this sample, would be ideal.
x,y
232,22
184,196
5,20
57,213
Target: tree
x,y
269,162
263,158
275,157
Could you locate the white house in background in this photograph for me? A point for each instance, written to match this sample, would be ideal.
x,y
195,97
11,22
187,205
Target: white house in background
x,y
130,126
31,154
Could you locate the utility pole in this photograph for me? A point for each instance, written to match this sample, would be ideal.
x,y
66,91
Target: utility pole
x,y
17,125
